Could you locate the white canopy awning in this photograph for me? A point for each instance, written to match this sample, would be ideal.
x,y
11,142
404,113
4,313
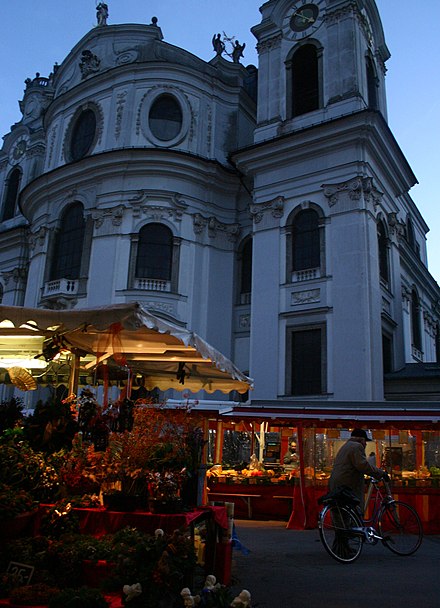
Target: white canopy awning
x,y
167,355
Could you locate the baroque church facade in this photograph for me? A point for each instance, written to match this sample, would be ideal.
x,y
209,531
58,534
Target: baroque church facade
x,y
267,208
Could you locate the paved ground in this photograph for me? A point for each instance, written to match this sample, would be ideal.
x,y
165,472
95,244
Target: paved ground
x,y
290,569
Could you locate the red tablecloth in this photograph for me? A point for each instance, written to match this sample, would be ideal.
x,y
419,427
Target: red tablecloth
x,y
102,521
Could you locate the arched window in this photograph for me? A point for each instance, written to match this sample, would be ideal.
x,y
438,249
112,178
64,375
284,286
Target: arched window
x,y
416,333
372,85
382,241
11,196
154,253
306,248
305,80
245,271
67,254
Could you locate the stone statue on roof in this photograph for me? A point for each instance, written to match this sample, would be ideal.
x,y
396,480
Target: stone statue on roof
x,y
218,45
102,13
237,51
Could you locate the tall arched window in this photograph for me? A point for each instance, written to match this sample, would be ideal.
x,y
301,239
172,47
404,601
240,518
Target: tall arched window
x,y
10,201
154,253
416,332
245,271
305,80
382,241
306,248
372,85
67,254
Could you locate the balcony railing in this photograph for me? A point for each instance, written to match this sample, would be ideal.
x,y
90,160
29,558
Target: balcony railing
x,y
152,284
306,275
61,287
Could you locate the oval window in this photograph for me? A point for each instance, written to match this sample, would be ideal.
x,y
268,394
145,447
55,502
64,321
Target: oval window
x,y
165,118
83,135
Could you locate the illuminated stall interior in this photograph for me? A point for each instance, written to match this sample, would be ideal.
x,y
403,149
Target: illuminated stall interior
x,y
410,452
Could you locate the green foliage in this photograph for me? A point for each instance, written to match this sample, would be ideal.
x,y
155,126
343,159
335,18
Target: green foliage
x,y
23,468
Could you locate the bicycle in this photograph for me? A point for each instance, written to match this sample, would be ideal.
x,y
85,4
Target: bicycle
x,y
344,531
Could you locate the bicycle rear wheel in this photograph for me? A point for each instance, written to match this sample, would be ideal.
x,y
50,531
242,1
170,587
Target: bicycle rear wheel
x,y
336,525
400,528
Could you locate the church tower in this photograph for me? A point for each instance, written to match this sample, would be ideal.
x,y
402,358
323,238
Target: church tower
x,y
318,61
330,208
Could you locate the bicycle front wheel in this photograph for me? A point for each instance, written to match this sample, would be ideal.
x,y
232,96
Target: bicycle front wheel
x,y
336,524
400,528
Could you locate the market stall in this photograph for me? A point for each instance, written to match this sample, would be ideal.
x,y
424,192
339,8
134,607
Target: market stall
x,y
127,337
406,441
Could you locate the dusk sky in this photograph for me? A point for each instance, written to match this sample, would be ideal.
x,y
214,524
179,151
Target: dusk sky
x,y
36,34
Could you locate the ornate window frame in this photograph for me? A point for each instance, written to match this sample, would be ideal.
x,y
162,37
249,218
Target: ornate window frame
x,y
144,115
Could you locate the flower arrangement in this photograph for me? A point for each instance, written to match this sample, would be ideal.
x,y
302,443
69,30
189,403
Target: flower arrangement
x,y
21,467
14,502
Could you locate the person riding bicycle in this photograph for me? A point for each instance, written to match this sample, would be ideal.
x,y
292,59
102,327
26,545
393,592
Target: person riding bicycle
x,y
351,464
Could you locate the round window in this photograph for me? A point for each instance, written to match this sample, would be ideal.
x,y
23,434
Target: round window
x,y
83,134
165,118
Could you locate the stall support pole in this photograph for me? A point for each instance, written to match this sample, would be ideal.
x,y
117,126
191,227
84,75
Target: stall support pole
x,y
74,375
219,442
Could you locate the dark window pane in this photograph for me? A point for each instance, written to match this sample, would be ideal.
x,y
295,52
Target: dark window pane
x,y
305,90
372,86
11,194
246,268
155,250
69,244
387,354
383,252
83,135
165,118
305,241
415,321
306,362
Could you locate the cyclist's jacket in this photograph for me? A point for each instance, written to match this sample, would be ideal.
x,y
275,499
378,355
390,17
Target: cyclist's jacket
x,y
350,466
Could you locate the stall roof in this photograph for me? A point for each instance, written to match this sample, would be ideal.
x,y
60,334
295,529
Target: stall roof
x,y
129,335
380,412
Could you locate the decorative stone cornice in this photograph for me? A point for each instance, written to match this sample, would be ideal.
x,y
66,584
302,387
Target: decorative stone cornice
x,y
37,238
355,188
120,102
270,43
406,293
115,214
274,206
396,226
17,275
232,231
158,206
89,64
